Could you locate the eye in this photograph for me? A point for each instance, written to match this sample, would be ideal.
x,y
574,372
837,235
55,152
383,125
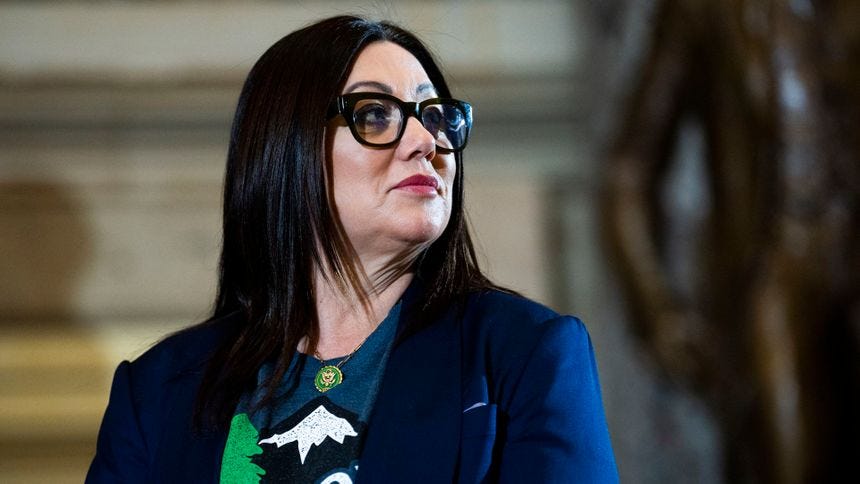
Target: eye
x,y
373,116
433,119
443,120
454,118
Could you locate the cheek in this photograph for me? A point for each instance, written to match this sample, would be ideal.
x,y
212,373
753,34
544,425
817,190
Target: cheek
x,y
355,172
446,167
448,174
448,171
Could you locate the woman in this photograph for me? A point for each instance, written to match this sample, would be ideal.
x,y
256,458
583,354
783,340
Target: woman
x,y
354,335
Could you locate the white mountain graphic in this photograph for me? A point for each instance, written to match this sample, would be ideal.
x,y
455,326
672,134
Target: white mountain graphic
x,y
313,430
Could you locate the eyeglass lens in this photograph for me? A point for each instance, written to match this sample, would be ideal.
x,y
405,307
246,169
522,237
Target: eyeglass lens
x,y
380,121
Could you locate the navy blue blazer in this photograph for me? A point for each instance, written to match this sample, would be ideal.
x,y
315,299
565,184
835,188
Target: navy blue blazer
x,y
504,391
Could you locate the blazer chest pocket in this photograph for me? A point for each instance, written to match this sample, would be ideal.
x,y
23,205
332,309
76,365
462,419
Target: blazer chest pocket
x,y
477,443
479,421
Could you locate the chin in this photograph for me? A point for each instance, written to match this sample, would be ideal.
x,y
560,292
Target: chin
x,y
424,231
423,236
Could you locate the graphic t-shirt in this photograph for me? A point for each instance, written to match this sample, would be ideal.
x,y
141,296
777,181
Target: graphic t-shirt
x,y
305,435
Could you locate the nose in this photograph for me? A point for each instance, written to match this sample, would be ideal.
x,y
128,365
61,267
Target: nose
x,y
417,142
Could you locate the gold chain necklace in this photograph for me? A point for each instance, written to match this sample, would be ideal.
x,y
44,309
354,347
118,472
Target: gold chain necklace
x,y
330,376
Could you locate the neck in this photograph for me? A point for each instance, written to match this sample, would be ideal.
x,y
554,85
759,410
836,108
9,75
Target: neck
x,y
344,322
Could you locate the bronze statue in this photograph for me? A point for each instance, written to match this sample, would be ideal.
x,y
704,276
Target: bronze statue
x,y
770,335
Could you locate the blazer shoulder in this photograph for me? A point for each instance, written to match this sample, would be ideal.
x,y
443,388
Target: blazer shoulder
x,y
151,403
188,350
514,322
492,306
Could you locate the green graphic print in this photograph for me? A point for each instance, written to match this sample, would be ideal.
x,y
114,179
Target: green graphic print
x,y
236,467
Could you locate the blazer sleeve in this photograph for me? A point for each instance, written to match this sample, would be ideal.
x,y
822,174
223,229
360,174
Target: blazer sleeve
x,y
121,453
556,429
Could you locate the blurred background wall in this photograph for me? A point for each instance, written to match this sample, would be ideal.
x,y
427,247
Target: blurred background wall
x,y
114,120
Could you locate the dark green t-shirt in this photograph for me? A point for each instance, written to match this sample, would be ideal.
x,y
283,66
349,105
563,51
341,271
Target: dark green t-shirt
x,y
305,435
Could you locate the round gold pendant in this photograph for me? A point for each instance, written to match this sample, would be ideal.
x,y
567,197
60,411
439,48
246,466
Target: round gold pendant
x,y
327,378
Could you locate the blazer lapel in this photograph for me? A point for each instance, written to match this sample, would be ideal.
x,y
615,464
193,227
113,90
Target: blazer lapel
x,y
414,430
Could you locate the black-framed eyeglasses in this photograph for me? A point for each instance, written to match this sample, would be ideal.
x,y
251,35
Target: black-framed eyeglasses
x,y
379,120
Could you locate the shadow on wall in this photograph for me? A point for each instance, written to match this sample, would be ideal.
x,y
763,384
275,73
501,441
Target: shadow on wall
x,y
51,369
45,245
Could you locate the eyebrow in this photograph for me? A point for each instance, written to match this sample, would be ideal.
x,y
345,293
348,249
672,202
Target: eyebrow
x,y
426,87
374,84
422,88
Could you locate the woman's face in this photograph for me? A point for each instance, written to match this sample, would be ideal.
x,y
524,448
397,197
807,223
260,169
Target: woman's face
x,y
385,197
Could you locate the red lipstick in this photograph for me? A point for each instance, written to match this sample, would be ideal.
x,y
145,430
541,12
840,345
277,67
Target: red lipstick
x,y
419,184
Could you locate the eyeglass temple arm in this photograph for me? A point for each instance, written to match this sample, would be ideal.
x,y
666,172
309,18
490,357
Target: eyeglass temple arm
x,y
336,107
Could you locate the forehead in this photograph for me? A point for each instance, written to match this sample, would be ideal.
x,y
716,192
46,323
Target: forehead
x,y
391,65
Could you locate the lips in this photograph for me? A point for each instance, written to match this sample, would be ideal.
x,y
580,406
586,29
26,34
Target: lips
x,y
418,181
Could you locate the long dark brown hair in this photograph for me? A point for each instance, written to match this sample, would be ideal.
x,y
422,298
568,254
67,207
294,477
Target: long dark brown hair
x,y
276,207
